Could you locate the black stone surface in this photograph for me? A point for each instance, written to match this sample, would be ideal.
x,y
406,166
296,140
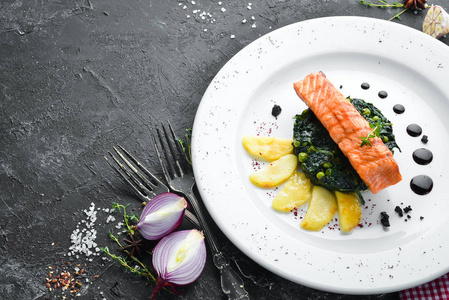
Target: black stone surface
x,y
78,77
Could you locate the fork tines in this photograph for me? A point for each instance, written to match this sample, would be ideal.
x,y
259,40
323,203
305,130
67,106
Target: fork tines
x,y
142,181
166,138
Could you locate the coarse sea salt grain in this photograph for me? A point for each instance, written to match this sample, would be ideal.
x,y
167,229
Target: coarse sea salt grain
x,y
110,218
83,239
119,225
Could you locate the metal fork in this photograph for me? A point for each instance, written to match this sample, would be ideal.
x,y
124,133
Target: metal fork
x,y
180,179
144,184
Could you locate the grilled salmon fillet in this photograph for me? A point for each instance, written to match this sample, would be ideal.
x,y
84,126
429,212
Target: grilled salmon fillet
x,y
374,164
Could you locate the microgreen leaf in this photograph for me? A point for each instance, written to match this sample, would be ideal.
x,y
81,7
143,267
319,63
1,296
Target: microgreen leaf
x,y
377,128
365,142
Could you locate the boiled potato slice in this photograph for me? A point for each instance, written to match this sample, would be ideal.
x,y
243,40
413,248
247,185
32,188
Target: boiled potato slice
x,y
322,208
267,148
275,173
295,193
349,210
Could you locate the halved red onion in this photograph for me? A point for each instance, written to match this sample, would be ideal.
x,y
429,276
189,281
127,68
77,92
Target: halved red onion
x,y
161,216
179,259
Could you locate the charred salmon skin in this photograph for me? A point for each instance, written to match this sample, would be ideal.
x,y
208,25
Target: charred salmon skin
x,y
374,164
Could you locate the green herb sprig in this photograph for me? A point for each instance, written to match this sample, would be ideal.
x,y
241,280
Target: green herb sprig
x,y
126,218
186,146
385,4
140,268
377,127
382,4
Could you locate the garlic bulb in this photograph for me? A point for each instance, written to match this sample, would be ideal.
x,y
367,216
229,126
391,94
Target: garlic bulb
x,y
436,22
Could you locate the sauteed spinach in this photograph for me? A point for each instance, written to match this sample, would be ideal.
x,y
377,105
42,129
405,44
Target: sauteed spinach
x,y
321,159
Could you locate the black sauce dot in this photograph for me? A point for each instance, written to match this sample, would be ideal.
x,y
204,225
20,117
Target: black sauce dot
x,y
414,130
425,139
383,94
421,184
385,219
399,108
276,110
422,156
365,85
407,209
398,210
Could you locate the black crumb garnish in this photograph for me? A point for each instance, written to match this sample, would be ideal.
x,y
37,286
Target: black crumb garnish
x,y
425,139
276,110
399,211
407,209
385,219
408,216
421,217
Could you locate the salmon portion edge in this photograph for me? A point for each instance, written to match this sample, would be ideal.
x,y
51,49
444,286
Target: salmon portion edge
x,y
374,164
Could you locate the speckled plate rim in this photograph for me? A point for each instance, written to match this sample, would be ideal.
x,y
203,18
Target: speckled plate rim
x,y
410,256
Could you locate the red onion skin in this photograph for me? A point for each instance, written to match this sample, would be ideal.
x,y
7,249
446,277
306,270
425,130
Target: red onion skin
x,y
161,254
161,284
157,232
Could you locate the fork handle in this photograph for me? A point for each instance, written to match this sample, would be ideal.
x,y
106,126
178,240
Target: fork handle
x,y
191,217
231,283
199,213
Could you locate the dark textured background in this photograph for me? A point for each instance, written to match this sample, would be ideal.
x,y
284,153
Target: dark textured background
x,y
78,77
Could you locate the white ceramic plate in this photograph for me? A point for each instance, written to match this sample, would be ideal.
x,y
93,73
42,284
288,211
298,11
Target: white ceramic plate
x,y
414,70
